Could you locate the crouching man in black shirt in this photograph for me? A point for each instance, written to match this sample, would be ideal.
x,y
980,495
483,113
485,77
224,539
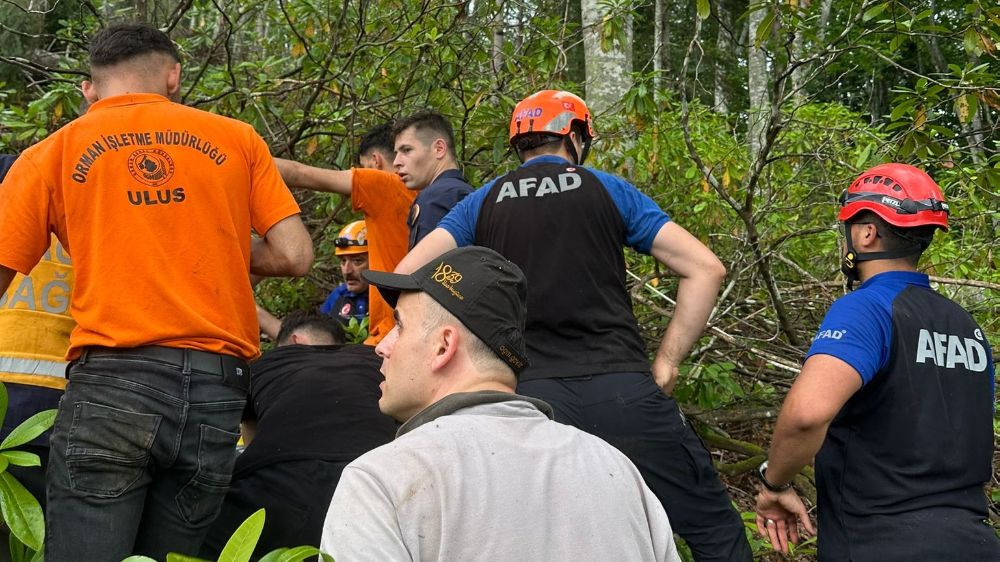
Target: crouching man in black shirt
x,y
312,409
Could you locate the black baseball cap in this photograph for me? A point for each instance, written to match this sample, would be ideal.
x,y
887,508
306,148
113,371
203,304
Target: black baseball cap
x,y
481,288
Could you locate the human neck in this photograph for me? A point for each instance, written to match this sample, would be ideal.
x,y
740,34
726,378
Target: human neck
x,y
869,269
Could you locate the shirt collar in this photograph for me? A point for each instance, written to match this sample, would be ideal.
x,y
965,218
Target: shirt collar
x,y
453,173
900,277
126,99
461,400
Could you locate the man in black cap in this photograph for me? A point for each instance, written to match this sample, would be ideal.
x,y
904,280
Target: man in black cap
x,y
476,468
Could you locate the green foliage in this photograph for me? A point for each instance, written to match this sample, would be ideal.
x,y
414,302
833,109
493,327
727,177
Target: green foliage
x,y
241,545
356,332
20,510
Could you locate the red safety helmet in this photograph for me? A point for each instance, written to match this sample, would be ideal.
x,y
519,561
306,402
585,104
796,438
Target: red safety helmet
x,y
904,196
549,111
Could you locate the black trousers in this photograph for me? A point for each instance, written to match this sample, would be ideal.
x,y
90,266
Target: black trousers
x,y
630,412
295,495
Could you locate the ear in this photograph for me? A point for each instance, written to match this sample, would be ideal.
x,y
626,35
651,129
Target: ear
x,y
174,80
298,338
440,148
446,345
376,160
89,91
866,237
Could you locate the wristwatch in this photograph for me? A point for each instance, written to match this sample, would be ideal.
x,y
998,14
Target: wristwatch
x,y
760,474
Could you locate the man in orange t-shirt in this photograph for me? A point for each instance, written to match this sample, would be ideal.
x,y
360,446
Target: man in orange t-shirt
x,y
383,198
155,201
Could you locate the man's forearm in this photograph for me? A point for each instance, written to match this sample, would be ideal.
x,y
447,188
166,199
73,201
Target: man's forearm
x,y
433,245
296,174
792,447
695,299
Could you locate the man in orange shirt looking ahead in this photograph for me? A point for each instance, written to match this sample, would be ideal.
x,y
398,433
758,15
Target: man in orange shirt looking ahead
x,y
155,201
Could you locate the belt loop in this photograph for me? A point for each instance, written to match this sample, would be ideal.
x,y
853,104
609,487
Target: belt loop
x,y
83,356
187,361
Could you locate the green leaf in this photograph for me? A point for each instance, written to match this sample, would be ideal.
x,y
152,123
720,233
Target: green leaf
x,y
298,554
874,11
21,458
3,402
177,557
764,29
21,512
863,157
29,429
141,559
970,40
704,9
273,555
240,546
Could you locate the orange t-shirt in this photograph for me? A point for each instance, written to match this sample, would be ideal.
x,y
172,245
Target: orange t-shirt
x,y
155,201
385,202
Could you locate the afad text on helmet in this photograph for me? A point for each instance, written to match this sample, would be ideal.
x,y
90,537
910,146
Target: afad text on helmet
x,y
528,113
542,186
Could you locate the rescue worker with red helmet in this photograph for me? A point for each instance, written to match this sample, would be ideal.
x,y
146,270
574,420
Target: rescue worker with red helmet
x,y
350,298
566,226
894,400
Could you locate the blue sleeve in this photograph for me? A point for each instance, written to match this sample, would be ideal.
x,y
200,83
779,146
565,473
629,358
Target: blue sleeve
x,y
461,221
858,331
643,218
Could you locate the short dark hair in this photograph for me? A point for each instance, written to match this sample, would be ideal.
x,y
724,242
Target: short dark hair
x,y
551,142
379,138
317,324
124,41
896,238
428,120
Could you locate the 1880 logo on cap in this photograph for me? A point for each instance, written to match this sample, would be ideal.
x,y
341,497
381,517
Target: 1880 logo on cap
x,y
447,277
151,166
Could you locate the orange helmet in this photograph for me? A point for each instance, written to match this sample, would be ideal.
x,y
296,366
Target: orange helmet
x,y
901,194
549,111
353,239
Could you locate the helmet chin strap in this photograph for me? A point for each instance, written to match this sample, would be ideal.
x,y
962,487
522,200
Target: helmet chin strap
x,y
580,157
849,263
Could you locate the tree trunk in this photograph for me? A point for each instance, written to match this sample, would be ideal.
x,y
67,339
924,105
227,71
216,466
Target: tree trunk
x,y
608,71
798,51
498,39
661,43
723,46
757,87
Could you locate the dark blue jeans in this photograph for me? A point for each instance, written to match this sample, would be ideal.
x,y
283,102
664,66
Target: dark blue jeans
x,y
630,412
141,457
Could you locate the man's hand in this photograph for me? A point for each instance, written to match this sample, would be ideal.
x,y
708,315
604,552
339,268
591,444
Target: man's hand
x,y
665,374
778,516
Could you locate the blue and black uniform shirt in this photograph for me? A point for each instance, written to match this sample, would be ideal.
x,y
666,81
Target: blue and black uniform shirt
x,y
566,226
918,435
344,305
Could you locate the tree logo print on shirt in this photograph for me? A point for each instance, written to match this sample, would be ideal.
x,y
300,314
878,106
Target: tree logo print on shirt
x,y
151,166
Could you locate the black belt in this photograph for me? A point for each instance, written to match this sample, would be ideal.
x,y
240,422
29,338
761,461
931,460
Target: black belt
x,y
234,371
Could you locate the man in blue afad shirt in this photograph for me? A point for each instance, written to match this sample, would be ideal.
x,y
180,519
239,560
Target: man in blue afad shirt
x,y
895,399
566,227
